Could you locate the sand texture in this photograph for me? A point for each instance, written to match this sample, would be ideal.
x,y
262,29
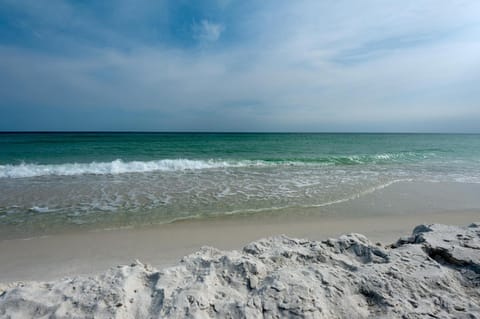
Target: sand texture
x,y
435,273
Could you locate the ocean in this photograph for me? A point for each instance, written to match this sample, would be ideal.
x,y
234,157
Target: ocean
x,y
55,181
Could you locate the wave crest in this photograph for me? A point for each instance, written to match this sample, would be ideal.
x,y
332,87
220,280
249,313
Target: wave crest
x,y
115,167
119,166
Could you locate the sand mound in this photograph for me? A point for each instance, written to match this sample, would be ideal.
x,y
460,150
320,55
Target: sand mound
x,y
434,273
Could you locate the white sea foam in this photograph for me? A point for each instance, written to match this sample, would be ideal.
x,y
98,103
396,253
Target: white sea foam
x,y
40,209
116,167
119,166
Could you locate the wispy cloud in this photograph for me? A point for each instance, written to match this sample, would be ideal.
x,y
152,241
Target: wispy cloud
x,y
207,31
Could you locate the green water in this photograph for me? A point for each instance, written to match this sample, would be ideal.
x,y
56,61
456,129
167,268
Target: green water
x,y
62,148
91,180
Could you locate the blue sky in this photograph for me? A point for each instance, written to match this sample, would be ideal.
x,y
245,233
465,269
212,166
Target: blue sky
x,y
246,65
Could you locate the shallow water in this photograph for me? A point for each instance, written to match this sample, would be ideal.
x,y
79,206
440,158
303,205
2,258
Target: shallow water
x,y
100,180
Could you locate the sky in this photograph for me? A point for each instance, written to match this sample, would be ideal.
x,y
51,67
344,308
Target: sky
x,y
247,65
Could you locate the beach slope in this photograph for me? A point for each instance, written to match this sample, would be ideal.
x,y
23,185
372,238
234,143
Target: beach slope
x,y
433,273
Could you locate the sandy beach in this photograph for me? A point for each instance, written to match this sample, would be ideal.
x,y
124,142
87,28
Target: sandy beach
x,y
434,272
311,261
239,159
384,215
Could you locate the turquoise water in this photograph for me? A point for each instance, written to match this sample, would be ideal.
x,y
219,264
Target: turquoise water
x,y
91,180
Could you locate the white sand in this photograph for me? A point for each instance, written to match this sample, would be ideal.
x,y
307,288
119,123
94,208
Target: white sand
x,y
85,253
435,273
447,287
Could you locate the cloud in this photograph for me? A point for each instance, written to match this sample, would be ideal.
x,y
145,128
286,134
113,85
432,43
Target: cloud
x,y
305,66
207,31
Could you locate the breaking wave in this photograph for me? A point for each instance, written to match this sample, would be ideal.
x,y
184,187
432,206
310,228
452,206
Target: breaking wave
x,y
115,167
119,166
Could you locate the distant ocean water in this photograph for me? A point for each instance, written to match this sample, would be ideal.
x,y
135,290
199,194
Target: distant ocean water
x,y
91,180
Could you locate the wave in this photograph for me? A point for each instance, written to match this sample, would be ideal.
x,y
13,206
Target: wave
x,y
119,166
357,159
115,167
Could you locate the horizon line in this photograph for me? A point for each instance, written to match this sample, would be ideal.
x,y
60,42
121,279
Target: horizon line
x,y
222,132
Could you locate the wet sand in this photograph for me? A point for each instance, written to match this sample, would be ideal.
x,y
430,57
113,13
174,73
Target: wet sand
x,y
383,216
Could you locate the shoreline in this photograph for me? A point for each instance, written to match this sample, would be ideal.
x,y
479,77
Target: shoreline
x,y
384,215
53,257
405,196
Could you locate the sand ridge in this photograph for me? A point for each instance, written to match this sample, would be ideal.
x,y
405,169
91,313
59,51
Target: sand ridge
x,y
435,272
